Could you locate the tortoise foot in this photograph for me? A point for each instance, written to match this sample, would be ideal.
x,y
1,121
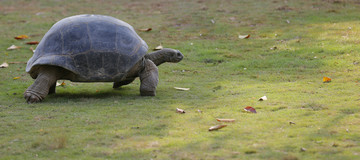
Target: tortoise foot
x,y
32,97
147,93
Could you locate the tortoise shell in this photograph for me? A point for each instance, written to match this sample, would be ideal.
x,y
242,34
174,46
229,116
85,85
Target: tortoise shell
x,y
93,47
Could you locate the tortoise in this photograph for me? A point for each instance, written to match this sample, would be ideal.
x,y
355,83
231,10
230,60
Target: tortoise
x,y
94,48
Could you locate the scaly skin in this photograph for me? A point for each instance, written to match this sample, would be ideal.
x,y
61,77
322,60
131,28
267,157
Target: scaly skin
x,y
149,78
40,88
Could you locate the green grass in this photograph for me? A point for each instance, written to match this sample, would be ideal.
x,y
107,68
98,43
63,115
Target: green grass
x,y
225,74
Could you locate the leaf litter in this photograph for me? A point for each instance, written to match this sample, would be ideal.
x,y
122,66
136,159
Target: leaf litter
x,y
12,47
4,65
182,89
250,109
217,127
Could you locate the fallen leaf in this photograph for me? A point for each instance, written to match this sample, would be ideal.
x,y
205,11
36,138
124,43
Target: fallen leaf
x,y
16,77
12,47
263,98
32,42
178,110
250,109
61,84
213,128
291,123
145,29
244,36
160,47
32,49
17,62
326,80
4,65
21,37
182,89
225,120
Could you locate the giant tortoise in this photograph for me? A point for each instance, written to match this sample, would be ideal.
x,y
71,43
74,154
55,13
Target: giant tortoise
x,y
94,48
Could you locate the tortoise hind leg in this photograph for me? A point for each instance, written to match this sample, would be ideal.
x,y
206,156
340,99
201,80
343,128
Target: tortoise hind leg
x,y
40,88
149,78
122,83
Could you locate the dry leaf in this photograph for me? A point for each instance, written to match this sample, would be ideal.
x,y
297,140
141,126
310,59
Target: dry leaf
x,y
160,47
4,65
225,120
326,80
60,84
250,109
32,49
17,62
291,123
12,47
213,128
21,37
32,42
302,149
263,98
178,110
244,36
16,77
145,29
182,89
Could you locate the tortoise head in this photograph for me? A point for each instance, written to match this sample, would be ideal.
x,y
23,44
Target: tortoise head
x,y
165,55
172,55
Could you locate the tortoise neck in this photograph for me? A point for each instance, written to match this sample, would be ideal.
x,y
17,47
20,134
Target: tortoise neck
x,y
158,57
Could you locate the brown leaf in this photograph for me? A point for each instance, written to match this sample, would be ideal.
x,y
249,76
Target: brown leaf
x,y
225,120
17,62
244,36
32,42
250,109
291,123
4,65
12,47
178,110
145,29
213,128
21,37
326,80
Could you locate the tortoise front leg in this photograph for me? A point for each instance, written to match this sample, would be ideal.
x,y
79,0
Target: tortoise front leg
x,y
149,78
40,88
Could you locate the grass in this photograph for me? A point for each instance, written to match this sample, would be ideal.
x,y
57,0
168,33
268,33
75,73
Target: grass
x,y
293,45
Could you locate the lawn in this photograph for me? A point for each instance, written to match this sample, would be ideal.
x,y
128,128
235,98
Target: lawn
x,y
293,44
